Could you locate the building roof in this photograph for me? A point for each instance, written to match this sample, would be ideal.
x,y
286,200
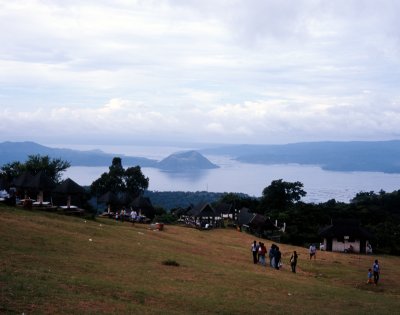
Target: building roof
x,y
341,228
202,210
261,222
224,208
69,187
244,216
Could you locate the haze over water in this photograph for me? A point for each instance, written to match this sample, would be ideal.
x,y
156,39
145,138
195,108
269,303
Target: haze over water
x,y
233,176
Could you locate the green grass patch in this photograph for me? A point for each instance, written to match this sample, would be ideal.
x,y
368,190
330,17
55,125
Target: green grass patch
x,y
54,264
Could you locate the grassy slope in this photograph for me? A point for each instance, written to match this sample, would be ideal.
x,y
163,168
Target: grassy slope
x,y
49,266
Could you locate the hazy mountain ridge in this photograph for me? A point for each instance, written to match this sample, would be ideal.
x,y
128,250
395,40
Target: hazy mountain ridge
x,y
180,161
369,156
19,151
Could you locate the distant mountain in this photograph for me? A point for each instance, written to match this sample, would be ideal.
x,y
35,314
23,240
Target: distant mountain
x,y
181,161
371,156
19,151
186,161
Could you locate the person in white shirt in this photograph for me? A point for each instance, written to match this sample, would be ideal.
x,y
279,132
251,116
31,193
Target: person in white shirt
x,y
313,251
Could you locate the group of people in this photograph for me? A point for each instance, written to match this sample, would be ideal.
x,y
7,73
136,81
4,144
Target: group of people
x,y
374,273
123,215
259,252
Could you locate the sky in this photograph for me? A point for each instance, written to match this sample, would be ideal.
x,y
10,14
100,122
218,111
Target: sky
x,y
211,71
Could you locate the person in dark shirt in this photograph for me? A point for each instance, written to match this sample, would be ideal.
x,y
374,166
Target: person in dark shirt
x,y
377,270
272,255
278,256
293,261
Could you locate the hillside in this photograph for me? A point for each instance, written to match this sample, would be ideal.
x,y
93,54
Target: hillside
x,y
371,156
19,151
53,264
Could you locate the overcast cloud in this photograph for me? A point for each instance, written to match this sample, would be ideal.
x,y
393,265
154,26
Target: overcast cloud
x,y
239,71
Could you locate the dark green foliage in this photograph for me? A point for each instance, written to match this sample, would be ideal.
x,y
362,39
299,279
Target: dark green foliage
x,y
170,262
379,213
181,199
281,195
167,218
240,200
52,167
119,180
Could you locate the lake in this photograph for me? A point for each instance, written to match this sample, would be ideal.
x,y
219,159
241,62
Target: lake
x,y
233,176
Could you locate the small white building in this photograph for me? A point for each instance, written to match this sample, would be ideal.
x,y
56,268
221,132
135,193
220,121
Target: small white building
x,y
346,236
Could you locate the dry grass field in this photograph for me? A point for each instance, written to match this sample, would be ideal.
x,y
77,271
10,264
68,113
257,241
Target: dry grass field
x,y
54,264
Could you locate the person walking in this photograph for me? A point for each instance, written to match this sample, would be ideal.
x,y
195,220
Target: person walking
x,y
293,261
261,254
271,255
313,251
377,271
254,250
278,256
370,276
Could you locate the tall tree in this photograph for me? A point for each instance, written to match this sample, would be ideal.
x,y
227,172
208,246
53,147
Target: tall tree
x,y
119,180
53,168
136,183
280,195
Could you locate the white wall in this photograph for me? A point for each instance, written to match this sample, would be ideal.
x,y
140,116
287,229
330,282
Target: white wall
x,y
340,246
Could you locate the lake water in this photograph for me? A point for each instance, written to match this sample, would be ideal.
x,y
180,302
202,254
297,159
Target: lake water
x,y
233,176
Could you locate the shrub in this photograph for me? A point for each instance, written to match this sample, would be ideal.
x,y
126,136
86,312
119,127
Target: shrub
x,y
170,262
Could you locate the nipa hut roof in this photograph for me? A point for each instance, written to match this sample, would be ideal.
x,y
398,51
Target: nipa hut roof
x,y
245,216
341,228
40,181
69,187
224,208
202,210
22,180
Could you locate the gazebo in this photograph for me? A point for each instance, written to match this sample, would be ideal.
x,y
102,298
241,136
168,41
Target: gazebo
x,y
69,188
203,213
110,199
346,236
40,183
143,206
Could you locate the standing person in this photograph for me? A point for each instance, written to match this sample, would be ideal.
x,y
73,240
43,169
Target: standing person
x,y
133,217
377,271
258,251
278,256
122,214
272,255
254,250
293,261
261,253
370,276
313,252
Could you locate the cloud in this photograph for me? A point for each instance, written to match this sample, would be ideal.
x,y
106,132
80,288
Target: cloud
x,y
286,120
255,71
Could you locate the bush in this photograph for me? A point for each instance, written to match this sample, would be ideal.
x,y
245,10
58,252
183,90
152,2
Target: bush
x,y
170,262
167,218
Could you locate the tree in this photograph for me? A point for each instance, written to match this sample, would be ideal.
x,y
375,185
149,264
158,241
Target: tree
x,y
136,183
119,180
240,200
53,168
281,195
12,170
